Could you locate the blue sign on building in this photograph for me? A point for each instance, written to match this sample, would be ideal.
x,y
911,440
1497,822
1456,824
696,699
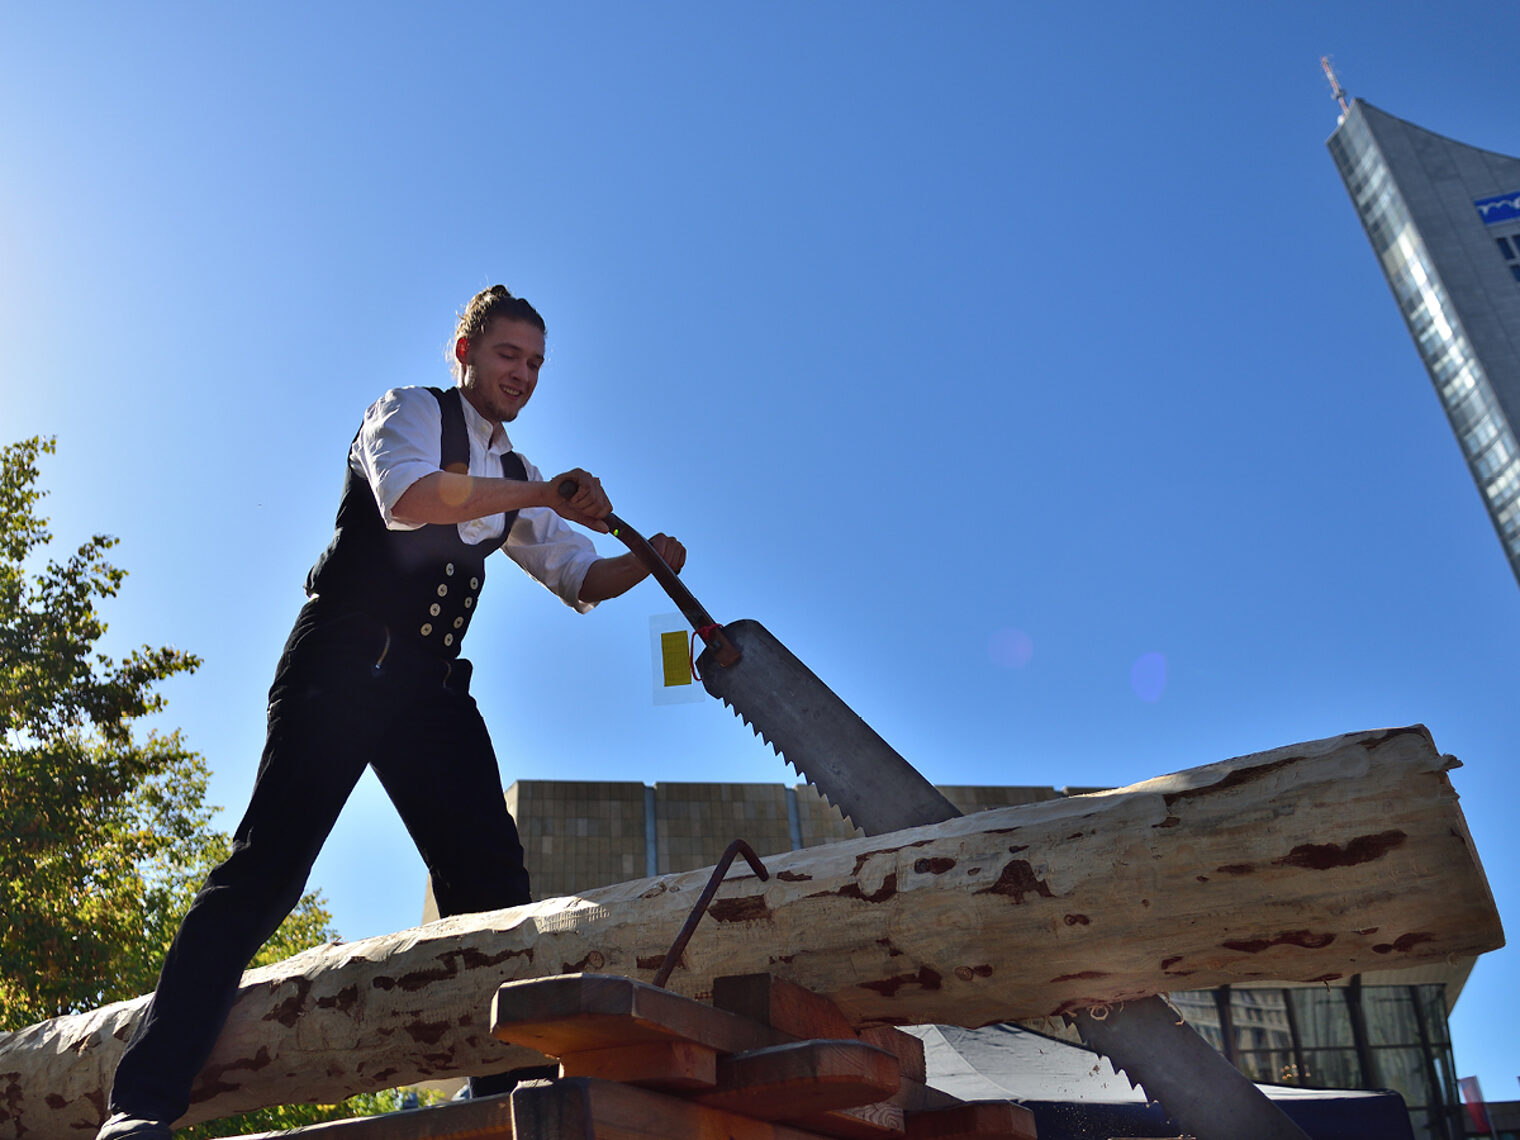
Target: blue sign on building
x,y
1500,208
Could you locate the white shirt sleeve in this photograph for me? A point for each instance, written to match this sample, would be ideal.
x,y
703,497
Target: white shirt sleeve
x,y
550,551
397,444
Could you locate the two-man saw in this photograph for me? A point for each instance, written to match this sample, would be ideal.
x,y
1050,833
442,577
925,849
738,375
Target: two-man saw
x,y
830,746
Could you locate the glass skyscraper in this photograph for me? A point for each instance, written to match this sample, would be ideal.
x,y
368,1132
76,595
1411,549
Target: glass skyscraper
x,y
1444,221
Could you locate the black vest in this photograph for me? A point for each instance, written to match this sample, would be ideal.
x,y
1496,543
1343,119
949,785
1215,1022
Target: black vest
x,y
424,583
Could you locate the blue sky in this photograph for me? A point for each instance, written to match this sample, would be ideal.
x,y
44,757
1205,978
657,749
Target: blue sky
x,y
1022,367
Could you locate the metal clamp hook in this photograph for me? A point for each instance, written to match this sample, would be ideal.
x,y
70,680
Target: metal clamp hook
x,y
737,847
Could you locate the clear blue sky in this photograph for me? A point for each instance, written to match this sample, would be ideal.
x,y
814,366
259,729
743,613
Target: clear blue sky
x,y
980,350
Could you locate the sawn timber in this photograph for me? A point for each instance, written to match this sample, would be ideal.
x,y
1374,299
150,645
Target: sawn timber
x,y
1306,863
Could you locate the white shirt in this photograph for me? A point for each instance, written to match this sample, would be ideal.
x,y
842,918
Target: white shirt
x,y
398,445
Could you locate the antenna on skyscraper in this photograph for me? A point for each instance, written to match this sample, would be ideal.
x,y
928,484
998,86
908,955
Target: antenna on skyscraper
x,y
1336,89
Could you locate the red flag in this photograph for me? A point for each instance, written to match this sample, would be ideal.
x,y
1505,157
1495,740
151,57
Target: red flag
x,y
1477,1111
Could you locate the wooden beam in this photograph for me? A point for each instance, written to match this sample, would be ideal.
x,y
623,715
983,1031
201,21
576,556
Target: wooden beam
x,y
576,1013
585,1109
788,1082
796,1012
973,1121
672,1065
784,1006
883,1120
1306,863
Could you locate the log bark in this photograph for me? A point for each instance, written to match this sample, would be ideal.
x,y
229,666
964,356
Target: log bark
x,y
1307,863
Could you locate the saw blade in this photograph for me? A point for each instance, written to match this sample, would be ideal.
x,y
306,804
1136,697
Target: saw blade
x,y
820,736
1201,1092
858,772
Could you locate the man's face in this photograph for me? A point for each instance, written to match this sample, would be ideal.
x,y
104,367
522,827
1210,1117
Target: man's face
x,y
501,368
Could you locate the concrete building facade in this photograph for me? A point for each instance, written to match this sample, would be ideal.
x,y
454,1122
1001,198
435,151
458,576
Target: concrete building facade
x,y
577,835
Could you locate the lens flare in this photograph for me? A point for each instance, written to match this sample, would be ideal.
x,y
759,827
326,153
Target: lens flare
x,y
455,490
1010,648
1147,676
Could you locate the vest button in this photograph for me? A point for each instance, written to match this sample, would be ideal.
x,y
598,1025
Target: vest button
x,y
449,569
459,621
442,590
448,639
468,602
427,628
474,583
435,609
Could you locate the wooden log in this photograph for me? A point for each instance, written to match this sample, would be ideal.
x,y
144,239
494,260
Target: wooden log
x,y
1306,863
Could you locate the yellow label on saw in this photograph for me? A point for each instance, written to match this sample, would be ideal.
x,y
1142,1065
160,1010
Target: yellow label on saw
x,y
675,656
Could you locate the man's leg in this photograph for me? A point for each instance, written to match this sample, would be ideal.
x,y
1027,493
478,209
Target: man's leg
x,y
440,771
319,738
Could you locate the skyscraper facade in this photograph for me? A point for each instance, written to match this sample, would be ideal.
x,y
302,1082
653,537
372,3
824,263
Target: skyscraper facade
x,y
1444,221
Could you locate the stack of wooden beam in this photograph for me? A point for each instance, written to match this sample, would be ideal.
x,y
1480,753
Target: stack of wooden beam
x,y
767,1060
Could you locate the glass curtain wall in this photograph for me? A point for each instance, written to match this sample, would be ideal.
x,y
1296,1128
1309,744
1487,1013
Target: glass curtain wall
x,y
1350,1037
1487,441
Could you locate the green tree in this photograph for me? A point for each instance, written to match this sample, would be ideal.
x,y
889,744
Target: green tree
x,y
293,1115
104,836
104,833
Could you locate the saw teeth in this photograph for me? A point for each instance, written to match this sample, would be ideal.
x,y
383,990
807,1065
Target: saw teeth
x,y
792,764
753,727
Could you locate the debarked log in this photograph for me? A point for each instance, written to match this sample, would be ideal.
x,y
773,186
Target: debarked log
x,y
1306,863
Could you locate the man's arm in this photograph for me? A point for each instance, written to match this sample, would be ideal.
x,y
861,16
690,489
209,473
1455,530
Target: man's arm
x,y
444,497
609,577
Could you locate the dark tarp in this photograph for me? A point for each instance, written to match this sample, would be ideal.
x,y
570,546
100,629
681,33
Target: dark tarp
x,y
1075,1094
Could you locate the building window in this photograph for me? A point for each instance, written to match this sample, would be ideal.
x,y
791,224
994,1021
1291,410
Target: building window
x,y
1480,436
1501,488
1509,249
1494,459
1328,1038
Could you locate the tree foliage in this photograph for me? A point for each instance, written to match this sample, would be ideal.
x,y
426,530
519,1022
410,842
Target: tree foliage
x,y
104,832
288,1116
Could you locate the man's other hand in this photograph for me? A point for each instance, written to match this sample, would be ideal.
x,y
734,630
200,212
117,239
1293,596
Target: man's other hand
x,y
670,550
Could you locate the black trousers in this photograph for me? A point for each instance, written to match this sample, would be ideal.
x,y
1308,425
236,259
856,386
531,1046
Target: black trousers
x,y
346,694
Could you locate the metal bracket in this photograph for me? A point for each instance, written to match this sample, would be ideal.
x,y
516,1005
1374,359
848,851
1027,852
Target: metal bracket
x,y
737,847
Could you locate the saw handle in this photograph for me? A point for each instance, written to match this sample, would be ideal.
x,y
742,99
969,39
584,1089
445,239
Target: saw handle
x,y
724,650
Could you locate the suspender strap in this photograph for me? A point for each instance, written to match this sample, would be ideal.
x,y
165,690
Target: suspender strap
x,y
454,444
